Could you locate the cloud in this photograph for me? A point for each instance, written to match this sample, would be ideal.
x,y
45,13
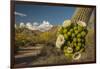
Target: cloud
x,y
35,24
22,25
29,26
45,26
20,14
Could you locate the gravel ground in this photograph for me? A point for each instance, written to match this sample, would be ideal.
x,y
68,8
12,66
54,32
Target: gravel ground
x,y
51,56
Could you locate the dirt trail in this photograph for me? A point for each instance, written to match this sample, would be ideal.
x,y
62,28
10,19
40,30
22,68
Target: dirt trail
x,y
51,56
27,55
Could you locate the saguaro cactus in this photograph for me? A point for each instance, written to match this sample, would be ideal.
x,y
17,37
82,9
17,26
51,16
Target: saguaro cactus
x,y
72,33
82,14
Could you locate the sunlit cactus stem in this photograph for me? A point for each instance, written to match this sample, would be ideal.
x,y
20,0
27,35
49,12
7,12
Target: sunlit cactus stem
x,y
82,14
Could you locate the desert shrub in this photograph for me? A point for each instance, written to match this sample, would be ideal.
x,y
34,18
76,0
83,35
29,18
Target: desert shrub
x,y
24,37
24,40
90,38
44,37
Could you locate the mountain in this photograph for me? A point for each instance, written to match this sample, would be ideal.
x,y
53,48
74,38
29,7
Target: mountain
x,y
43,27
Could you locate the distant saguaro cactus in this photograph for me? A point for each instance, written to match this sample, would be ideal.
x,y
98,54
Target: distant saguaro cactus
x,y
82,14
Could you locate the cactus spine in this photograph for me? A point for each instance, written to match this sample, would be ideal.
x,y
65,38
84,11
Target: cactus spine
x,y
82,14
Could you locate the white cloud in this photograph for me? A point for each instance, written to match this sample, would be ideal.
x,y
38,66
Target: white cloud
x,y
29,26
45,26
35,24
19,14
22,25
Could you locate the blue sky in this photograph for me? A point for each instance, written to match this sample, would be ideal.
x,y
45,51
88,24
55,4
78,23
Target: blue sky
x,y
38,13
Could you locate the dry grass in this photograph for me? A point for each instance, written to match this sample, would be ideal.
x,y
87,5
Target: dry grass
x,y
50,55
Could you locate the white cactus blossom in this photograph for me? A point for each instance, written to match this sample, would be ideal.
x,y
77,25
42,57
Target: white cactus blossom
x,y
69,50
66,23
60,41
76,56
81,23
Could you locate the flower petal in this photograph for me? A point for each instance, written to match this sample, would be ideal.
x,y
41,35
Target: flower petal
x,y
60,41
81,23
66,23
76,56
